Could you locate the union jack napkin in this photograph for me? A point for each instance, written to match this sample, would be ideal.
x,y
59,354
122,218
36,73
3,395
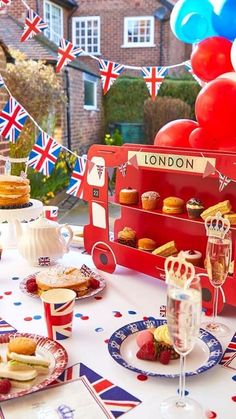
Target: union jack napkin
x,y
6,327
228,359
117,400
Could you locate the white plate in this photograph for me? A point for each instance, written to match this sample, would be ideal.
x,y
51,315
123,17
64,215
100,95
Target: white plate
x,y
122,346
46,348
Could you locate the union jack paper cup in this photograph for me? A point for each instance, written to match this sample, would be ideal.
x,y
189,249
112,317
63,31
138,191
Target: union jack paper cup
x,y
50,212
58,309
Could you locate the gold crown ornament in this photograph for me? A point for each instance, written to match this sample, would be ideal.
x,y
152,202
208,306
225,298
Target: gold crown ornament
x,y
217,226
178,270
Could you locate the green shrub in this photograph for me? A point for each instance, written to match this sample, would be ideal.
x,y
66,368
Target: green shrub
x,y
181,89
161,111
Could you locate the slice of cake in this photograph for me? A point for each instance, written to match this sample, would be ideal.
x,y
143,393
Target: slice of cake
x,y
14,191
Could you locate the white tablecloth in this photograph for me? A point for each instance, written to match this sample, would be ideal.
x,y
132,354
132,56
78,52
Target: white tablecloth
x,y
134,296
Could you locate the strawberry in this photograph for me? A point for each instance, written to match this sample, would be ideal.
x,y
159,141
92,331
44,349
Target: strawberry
x,y
32,286
5,386
94,283
165,357
147,351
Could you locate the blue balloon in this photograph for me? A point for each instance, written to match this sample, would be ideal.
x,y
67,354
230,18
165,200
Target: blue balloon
x,y
191,20
224,18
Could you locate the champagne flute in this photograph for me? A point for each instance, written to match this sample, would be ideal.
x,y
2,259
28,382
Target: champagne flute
x,y
184,305
218,257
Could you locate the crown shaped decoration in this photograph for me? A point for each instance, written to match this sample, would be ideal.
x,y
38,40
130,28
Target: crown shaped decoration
x,y
217,226
177,268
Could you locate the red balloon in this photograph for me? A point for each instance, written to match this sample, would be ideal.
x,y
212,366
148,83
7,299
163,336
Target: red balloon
x,y
215,108
211,58
175,133
200,138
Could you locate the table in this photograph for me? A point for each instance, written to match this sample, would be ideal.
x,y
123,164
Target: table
x,y
129,296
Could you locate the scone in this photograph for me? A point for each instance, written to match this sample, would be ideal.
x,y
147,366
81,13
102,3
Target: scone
x,y
146,244
173,205
127,236
162,337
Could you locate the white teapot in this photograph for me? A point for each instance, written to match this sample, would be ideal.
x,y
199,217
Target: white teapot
x,y
42,242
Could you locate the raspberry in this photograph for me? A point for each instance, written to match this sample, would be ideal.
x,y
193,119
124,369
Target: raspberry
x,y
31,286
147,351
165,357
94,283
5,386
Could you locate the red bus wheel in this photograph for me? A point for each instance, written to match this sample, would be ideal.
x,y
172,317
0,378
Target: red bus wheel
x,y
103,257
208,295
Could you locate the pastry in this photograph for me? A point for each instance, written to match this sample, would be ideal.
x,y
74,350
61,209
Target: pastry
x,y
166,249
162,337
231,217
224,207
149,200
22,345
128,196
127,236
14,191
173,205
192,256
63,277
194,208
146,244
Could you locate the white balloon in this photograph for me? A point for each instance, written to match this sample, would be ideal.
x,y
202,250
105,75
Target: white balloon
x,y
229,76
233,54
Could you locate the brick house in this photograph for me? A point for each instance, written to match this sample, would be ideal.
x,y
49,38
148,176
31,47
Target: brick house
x,y
81,120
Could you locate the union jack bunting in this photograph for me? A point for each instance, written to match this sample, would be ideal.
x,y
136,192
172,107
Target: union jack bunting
x,y
109,72
163,310
44,154
230,350
190,70
122,168
6,327
5,3
66,53
100,170
34,25
1,81
223,181
154,77
77,178
116,400
12,119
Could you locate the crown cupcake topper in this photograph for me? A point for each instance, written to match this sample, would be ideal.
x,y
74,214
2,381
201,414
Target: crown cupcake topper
x,y
177,268
217,226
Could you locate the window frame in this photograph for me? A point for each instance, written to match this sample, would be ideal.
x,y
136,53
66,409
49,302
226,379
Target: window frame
x,y
92,79
61,35
86,19
127,44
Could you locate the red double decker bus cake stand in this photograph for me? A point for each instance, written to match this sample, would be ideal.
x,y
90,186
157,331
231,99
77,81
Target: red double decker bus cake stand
x,y
170,172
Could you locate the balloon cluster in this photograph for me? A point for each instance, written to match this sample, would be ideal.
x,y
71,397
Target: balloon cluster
x,y
211,26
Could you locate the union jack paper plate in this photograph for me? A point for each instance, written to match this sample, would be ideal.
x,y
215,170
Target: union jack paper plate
x,y
46,348
84,269
122,346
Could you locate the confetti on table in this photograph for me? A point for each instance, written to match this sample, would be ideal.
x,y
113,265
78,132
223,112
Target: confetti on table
x,y
8,292
132,312
84,317
37,317
28,319
17,303
99,329
15,278
210,414
142,377
78,315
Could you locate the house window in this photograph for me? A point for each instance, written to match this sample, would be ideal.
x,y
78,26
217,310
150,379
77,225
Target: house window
x,y
90,91
53,15
139,31
86,33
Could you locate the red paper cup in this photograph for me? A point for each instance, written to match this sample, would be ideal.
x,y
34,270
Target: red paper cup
x,y
50,212
58,309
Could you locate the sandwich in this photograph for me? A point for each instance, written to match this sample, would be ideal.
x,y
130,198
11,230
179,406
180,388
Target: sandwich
x,y
23,379
21,356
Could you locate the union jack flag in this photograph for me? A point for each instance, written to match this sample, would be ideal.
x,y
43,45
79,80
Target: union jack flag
x,y
163,310
34,25
12,119
117,400
190,70
5,3
66,53
44,154
1,81
100,169
223,181
154,77
109,72
77,178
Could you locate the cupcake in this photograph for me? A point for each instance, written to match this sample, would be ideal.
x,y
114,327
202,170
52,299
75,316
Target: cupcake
x,y
127,236
149,200
128,196
162,337
194,208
